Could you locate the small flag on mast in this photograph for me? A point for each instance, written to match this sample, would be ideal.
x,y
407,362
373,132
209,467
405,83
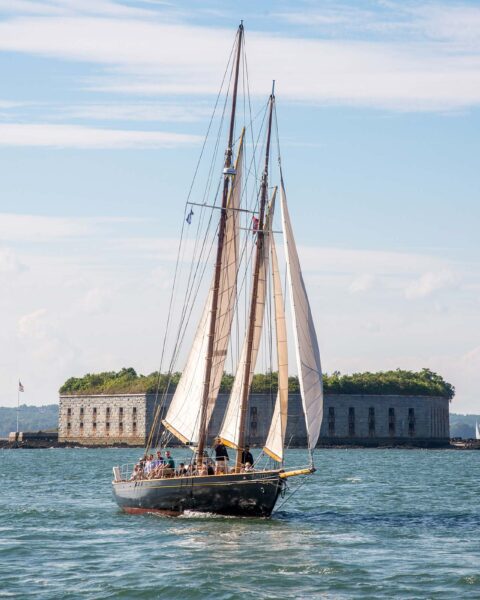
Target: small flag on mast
x,y
189,217
20,387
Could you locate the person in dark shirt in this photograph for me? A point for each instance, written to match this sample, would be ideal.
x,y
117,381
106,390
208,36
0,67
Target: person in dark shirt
x,y
181,470
221,456
169,460
247,456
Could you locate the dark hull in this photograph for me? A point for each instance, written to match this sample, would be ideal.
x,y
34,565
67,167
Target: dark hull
x,y
242,494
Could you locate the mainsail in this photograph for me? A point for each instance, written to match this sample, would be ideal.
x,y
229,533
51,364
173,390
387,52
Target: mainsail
x,y
477,431
306,344
230,431
276,436
183,416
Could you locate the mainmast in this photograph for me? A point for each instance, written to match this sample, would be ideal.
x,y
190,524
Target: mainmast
x,y
253,300
218,262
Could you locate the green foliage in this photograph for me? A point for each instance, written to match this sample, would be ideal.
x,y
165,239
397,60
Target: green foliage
x,y
422,383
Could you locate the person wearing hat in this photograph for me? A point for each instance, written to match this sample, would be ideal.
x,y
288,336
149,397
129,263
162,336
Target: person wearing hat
x,y
221,456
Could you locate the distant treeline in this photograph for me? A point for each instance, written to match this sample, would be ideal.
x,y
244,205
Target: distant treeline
x,y
463,426
30,418
127,381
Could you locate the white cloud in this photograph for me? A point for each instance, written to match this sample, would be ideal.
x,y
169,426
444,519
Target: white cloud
x,y
421,75
76,136
429,283
33,324
9,262
361,283
138,112
70,7
99,305
35,228
96,301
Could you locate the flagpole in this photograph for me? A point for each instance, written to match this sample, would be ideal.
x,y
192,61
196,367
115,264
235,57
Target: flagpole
x,y
18,403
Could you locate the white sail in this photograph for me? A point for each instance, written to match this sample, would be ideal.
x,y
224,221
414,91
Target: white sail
x,y
230,429
477,431
306,344
183,416
276,435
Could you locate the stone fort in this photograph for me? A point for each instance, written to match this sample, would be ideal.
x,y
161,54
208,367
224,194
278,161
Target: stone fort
x,y
348,419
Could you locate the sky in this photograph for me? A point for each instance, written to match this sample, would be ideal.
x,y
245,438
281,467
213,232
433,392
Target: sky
x,y
103,109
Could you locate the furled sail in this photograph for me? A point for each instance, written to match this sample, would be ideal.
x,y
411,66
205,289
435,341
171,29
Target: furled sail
x,y
306,344
276,435
183,416
230,430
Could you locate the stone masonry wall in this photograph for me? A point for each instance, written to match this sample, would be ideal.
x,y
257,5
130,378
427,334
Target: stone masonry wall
x,y
347,419
103,420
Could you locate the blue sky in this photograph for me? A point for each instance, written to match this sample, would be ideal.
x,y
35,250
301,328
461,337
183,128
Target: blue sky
x,y
103,106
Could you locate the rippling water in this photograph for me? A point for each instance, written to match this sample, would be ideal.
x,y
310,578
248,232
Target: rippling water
x,y
368,524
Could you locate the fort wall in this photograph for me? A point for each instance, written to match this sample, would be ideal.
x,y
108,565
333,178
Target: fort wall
x,y
368,420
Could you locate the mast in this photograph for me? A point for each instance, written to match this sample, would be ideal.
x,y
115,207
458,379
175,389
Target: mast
x,y
253,299
218,262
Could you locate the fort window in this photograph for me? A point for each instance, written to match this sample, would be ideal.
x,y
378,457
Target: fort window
x,y
134,426
94,424
81,424
331,420
411,421
253,419
391,421
120,426
69,412
351,421
134,412
120,412
107,425
371,420
81,411
107,412
94,411
69,425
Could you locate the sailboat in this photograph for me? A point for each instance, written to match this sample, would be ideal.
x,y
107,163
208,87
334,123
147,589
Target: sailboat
x,y
240,489
477,431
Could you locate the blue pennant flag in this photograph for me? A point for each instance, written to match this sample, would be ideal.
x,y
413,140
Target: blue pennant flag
x,y
189,217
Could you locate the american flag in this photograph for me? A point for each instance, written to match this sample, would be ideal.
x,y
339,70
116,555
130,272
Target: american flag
x,y
20,387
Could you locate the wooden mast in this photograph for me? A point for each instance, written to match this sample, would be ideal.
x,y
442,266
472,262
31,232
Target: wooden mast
x,y
253,299
218,262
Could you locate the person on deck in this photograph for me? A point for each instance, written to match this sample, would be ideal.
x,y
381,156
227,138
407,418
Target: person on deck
x,y
181,471
247,456
169,460
221,456
149,465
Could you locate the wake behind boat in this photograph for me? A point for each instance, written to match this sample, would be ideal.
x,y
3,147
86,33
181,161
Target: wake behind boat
x,y
245,250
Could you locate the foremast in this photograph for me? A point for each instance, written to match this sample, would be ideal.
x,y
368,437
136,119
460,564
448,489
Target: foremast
x,y
218,262
260,240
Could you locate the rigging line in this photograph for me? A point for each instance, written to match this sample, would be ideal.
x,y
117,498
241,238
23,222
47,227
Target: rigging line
x,y
300,485
244,210
208,186
157,412
250,102
183,223
211,118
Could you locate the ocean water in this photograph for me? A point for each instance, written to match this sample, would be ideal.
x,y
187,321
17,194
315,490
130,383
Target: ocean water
x,y
369,524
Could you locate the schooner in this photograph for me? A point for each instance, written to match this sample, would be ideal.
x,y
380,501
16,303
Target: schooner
x,y
238,490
